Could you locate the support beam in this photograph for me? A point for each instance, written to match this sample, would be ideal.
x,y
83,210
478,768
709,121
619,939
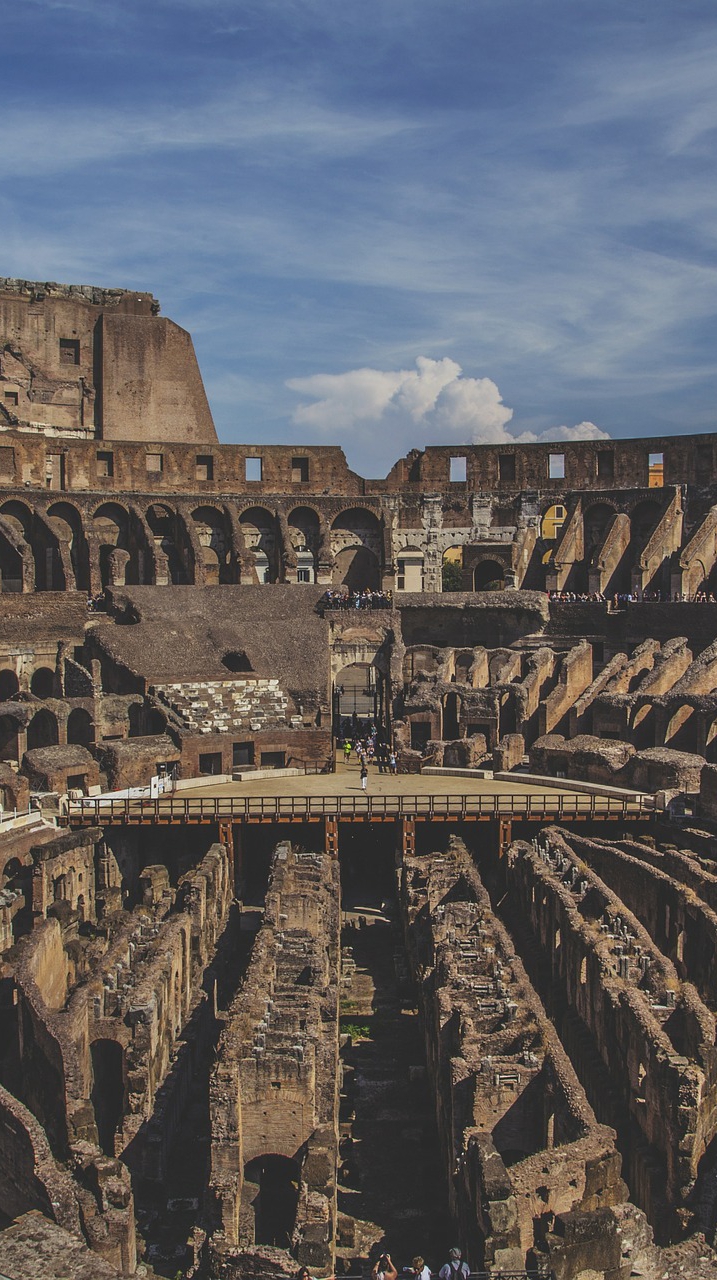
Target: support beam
x,y
331,836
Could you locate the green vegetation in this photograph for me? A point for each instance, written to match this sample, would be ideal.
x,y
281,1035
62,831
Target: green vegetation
x,y
452,576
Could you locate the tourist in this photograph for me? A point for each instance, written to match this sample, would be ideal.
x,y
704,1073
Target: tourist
x,y
383,1268
454,1268
348,747
364,773
393,763
418,1269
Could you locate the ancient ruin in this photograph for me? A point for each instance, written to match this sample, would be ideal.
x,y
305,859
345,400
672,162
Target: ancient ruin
x,y
254,1015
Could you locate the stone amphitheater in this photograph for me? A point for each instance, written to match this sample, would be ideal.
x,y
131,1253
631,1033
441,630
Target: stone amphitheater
x,y
254,1018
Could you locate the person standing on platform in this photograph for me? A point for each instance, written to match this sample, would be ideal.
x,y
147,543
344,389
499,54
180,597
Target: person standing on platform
x,y
364,773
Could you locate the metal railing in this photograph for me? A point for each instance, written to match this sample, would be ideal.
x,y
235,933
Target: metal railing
x,y
178,808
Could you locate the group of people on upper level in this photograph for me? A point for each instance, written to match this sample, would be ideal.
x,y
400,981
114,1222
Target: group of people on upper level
x,y
340,598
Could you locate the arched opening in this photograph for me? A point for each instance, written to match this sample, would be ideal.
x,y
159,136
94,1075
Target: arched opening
x,y
236,660
80,729
9,685
272,1188
145,720
305,537
259,531
214,541
8,738
488,576
711,744
551,525
356,697
163,525
643,728
10,565
357,569
681,732
450,717
643,519
452,578
42,731
409,564
596,519
42,683
119,561
66,523
20,522
357,548
107,1092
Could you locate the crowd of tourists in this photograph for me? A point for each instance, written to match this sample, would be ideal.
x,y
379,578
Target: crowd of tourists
x,y
366,599
621,599
370,749
385,1269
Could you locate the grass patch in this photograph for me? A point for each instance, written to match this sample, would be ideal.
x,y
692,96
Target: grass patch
x,y
357,1030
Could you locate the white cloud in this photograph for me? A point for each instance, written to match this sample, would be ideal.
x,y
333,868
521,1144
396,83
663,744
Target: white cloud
x,y
436,397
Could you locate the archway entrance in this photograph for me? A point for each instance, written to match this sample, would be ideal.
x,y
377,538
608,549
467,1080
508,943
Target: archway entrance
x,y
357,698
488,576
272,1183
107,1090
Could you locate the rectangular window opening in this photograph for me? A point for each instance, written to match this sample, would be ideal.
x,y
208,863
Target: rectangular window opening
x,y
12,398
242,754
69,351
210,763
155,462
459,470
299,470
606,465
253,469
205,466
506,468
556,466
272,759
656,470
105,463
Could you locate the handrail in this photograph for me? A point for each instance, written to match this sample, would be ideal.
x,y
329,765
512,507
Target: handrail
x,y
499,805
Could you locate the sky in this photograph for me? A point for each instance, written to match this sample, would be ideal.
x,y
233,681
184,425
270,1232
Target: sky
x,y
390,223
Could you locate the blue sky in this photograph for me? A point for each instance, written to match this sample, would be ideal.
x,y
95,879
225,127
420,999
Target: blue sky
x,y
386,224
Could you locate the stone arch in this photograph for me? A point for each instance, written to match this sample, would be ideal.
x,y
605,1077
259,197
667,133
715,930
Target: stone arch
x,y
681,732
552,521
21,520
215,541
642,728
357,549
596,518
9,684
305,536
11,560
42,730
488,575
80,729
410,563
111,524
42,682
66,522
452,574
643,518
171,549
258,526
9,728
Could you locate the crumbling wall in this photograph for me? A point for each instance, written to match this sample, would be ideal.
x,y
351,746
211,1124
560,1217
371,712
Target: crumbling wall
x,y
519,1139
651,1031
274,1088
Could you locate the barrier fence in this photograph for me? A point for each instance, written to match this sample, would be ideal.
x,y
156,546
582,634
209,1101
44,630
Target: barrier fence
x,y
178,808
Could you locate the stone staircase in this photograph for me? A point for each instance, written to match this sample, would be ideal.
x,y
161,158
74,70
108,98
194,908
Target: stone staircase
x,y
227,706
